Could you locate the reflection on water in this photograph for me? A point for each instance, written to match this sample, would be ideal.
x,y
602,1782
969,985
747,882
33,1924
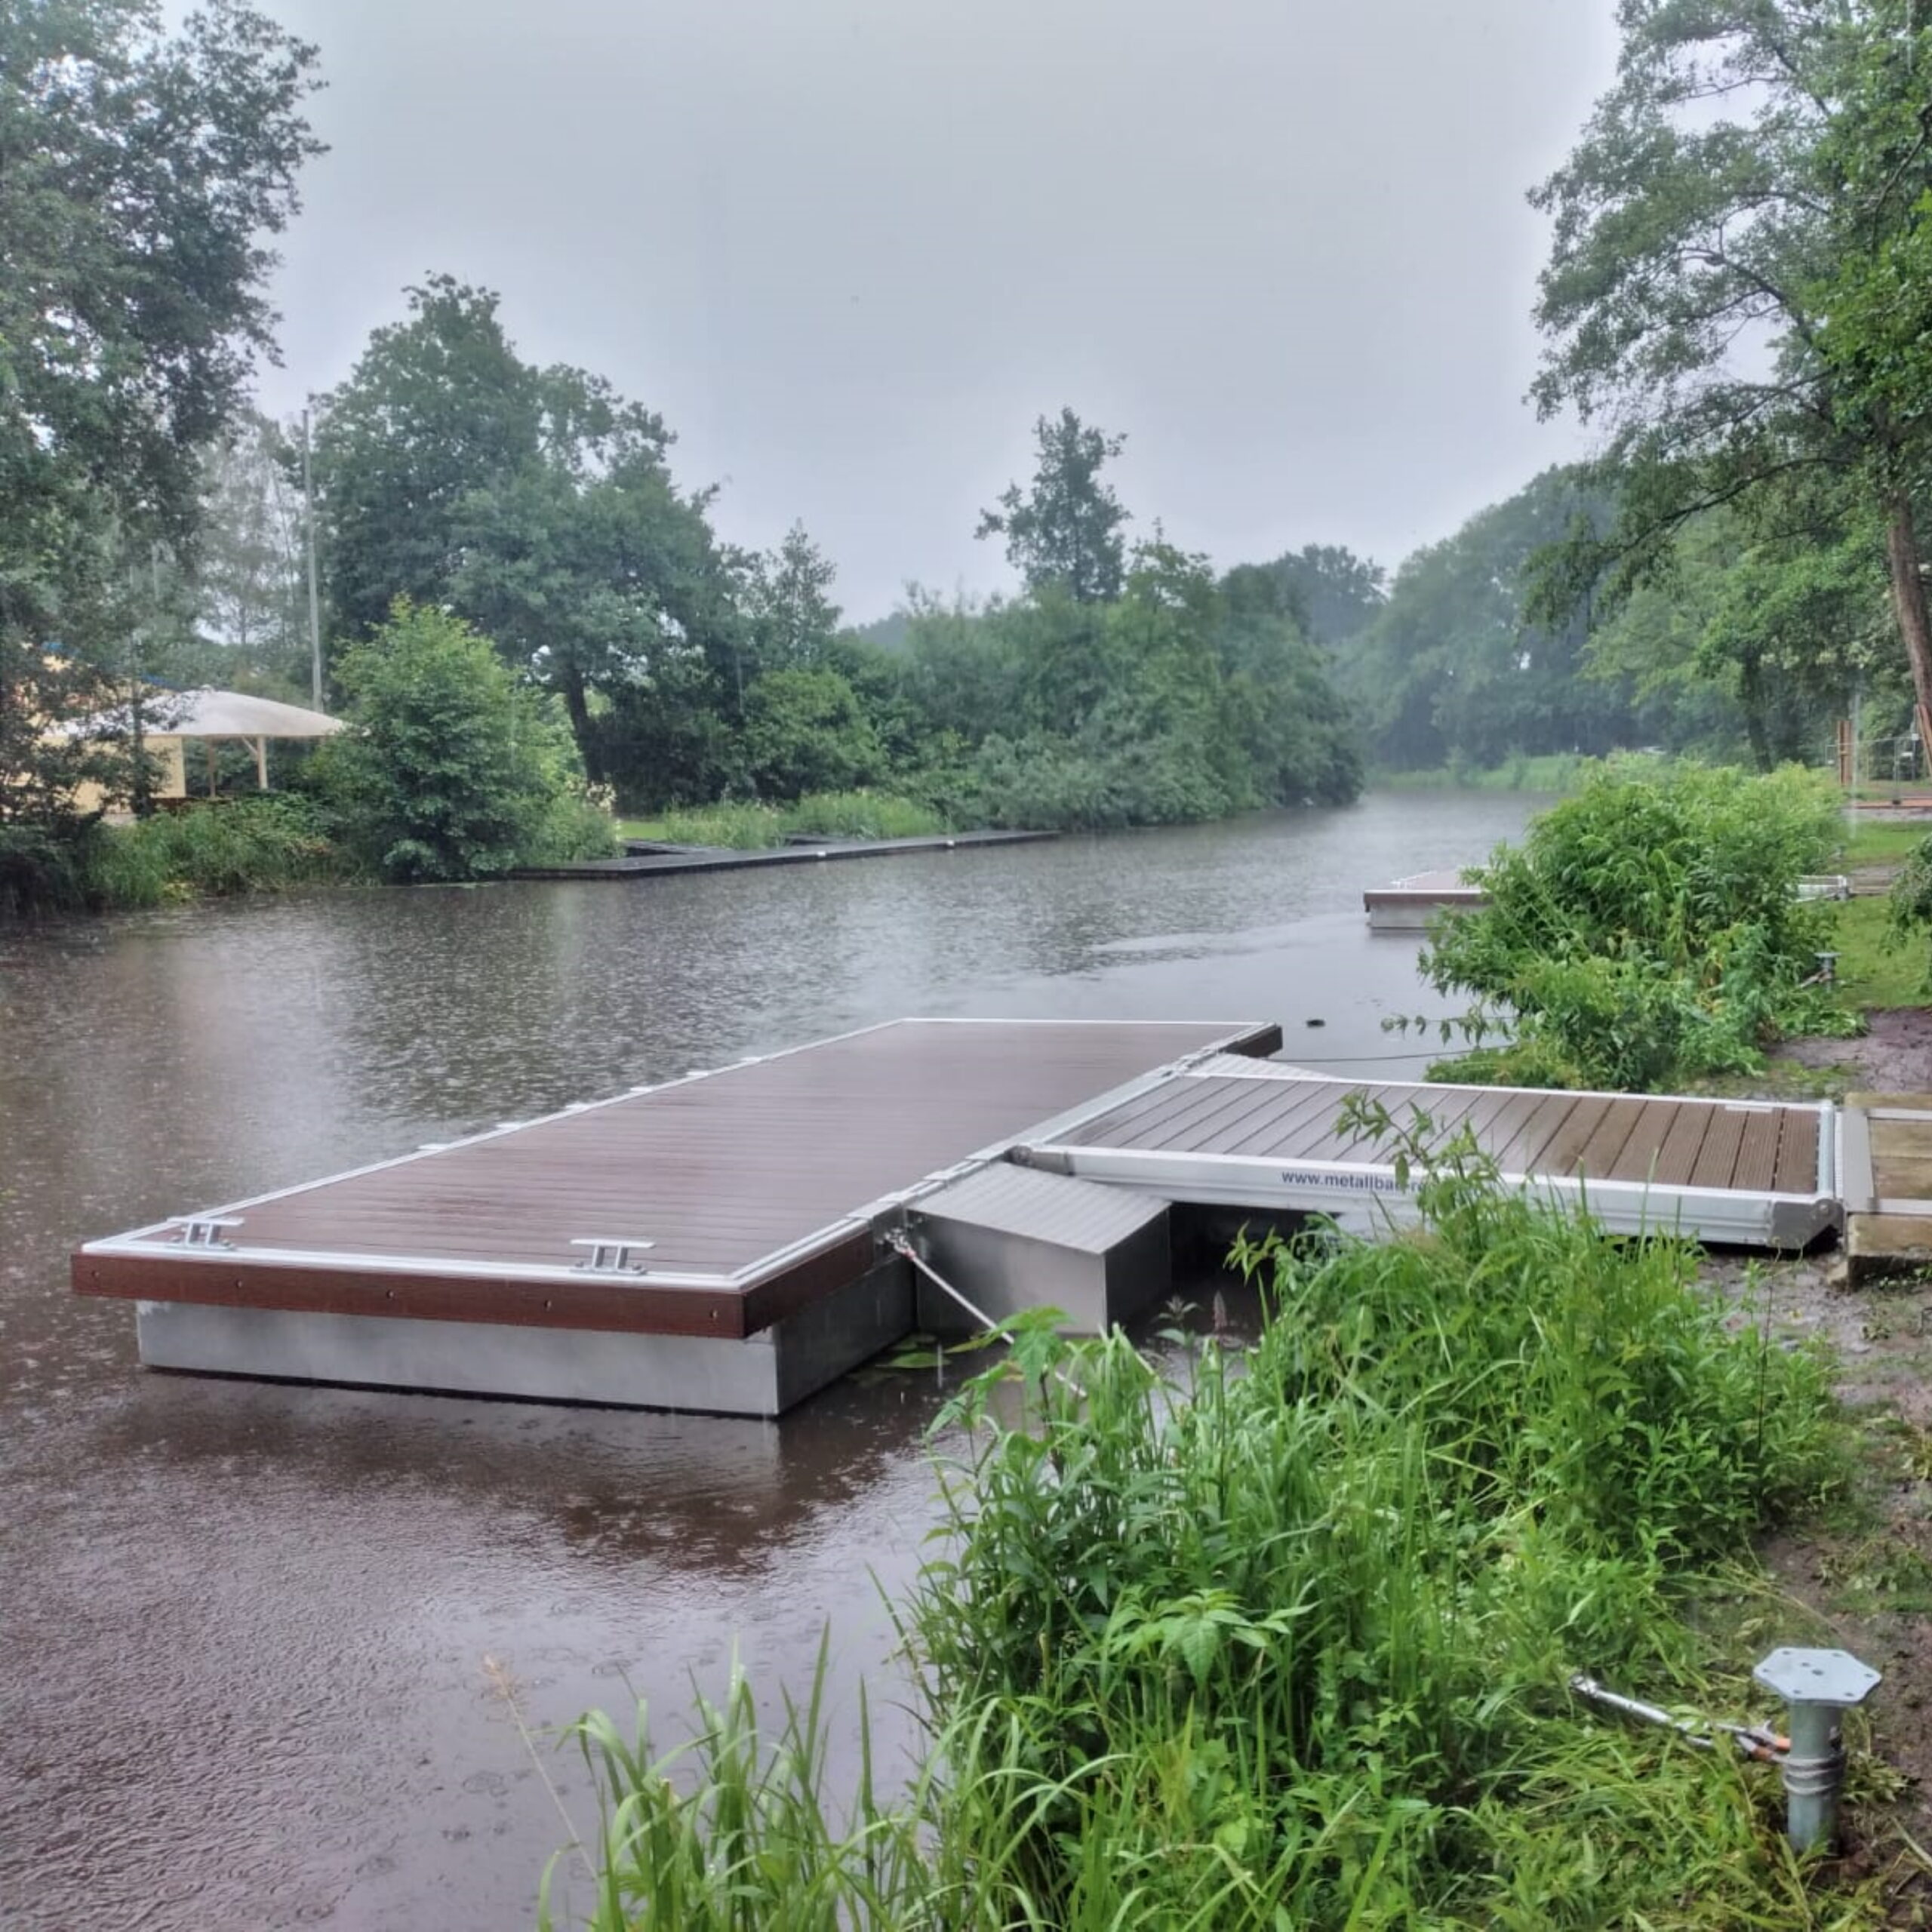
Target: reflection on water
x,y
242,1625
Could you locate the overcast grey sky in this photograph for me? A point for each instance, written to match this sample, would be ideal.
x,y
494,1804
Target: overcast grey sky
x,y
851,248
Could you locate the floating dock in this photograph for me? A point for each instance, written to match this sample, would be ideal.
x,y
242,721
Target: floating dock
x,y
1408,905
1258,1134
648,859
714,1244
734,1240
1887,1185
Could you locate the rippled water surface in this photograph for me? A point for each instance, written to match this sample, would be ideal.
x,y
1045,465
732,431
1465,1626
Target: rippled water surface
x,y
243,1627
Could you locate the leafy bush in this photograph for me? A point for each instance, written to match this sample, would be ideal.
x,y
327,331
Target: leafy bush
x,y
258,845
1093,783
43,867
1647,929
805,731
1910,906
450,769
1233,1648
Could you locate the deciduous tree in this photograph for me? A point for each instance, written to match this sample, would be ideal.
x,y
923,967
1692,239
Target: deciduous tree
x,y
1066,531
1727,232
140,172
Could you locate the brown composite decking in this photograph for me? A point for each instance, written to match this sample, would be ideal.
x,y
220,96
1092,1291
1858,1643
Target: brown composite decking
x,y
1692,1143
746,1183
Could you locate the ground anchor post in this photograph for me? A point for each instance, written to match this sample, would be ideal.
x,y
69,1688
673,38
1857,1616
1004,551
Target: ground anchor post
x,y
1817,1686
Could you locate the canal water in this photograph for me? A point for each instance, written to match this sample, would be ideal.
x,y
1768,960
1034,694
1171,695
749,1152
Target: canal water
x,y
247,1632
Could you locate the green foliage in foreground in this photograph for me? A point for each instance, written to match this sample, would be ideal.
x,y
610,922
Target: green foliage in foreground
x,y
1283,1643
1646,931
747,825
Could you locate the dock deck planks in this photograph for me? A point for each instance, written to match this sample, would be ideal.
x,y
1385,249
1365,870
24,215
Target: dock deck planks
x,y
1746,1171
752,1183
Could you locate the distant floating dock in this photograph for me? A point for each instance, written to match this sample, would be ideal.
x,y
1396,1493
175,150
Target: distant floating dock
x,y
734,1240
649,859
1408,905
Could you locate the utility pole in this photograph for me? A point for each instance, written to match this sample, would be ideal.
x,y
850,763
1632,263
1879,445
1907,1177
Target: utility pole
x,y
314,597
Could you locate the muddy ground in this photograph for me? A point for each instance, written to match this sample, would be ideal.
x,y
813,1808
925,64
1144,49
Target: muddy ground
x,y
1895,1057
1862,1570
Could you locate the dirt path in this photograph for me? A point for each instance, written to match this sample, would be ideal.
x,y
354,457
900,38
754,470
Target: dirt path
x,y
1895,1056
1863,1569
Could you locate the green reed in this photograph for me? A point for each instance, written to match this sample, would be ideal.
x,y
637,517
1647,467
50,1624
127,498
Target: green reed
x,y
261,845
1278,1637
746,825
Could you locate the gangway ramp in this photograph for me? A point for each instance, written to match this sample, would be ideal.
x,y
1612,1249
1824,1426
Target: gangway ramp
x,y
1257,1134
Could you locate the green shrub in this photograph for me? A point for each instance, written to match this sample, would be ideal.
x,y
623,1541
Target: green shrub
x,y
450,769
805,731
1647,930
43,868
1910,900
1094,783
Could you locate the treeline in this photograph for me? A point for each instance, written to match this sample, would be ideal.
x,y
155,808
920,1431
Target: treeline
x,y
1747,643
154,532
1122,684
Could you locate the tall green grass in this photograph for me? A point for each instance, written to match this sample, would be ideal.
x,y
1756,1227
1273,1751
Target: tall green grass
x,y
1547,771
747,825
1279,1639
264,845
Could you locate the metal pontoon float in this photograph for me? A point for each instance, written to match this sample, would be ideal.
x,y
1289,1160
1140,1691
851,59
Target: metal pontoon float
x,y
1408,905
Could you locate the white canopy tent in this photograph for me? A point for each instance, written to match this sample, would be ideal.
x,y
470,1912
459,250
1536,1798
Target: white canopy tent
x,y
213,715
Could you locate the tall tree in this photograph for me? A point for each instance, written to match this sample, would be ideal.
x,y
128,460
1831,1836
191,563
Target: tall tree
x,y
537,502
1334,593
139,172
438,407
589,569
788,594
1455,669
1066,531
1753,162
248,585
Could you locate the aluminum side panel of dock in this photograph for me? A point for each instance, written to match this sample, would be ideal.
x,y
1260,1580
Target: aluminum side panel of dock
x,y
1408,905
1732,1172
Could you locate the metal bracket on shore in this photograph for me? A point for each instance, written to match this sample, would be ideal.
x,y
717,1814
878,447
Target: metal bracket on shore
x,y
1817,1686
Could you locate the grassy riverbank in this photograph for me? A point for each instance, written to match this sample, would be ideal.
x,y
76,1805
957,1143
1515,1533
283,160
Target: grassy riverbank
x,y
254,844
1283,1639
1555,772
749,825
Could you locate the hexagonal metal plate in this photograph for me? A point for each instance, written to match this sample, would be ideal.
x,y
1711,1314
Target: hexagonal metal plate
x,y
1816,1677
